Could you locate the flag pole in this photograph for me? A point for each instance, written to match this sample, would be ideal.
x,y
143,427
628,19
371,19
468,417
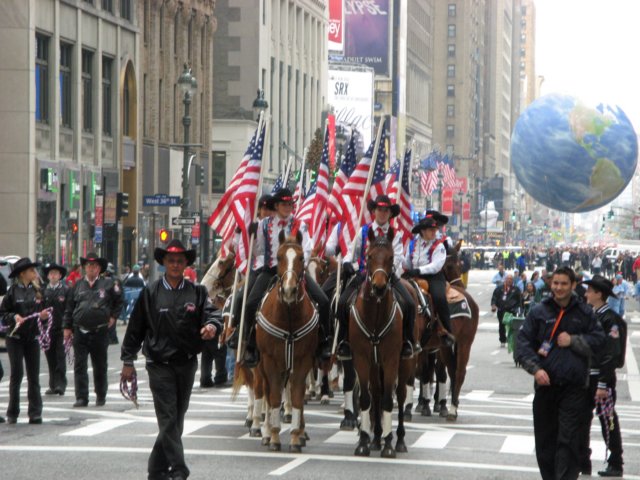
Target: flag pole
x,y
300,183
261,122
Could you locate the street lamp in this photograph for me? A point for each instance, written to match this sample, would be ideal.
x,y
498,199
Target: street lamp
x,y
188,84
460,197
259,104
440,188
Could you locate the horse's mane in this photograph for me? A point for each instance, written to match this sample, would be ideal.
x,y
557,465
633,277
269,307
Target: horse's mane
x,y
382,241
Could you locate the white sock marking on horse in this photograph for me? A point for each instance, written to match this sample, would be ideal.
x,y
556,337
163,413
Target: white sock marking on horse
x,y
274,415
333,373
287,399
348,401
365,426
442,391
427,391
257,412
386,423
296,414
409,394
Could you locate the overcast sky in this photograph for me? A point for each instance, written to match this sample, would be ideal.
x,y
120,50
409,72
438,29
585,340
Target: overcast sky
x,y
590,49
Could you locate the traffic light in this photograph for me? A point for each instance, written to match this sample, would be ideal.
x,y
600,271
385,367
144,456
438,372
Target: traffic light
x,y
200,178
529,221
164,235
513,216
122,205
73,226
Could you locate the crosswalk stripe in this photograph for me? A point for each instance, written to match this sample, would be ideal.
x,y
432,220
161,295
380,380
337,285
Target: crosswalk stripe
x,y
343,438
434,439
97,428
519,444
479,395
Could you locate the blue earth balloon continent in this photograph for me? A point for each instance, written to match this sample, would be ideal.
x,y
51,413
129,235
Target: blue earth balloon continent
x,y
573,157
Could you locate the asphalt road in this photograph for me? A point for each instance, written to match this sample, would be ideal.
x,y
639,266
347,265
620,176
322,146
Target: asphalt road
x,y
492,438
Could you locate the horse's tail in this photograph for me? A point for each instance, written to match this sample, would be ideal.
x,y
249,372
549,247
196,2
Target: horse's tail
x,y
241,376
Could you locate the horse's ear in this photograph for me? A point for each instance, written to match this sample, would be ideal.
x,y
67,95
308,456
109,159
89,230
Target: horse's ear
x,y
281,237
390,234
314,251
299,237
370,235
458,245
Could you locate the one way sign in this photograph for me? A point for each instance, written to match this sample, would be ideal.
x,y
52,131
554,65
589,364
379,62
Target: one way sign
x,y
175,221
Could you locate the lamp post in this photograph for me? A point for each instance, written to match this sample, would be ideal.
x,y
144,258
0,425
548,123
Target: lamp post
x,y
469,196
188,85
440,187
460,197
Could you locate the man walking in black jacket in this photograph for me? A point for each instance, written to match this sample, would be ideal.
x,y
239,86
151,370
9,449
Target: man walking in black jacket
x,y
554,345
506,298
172,317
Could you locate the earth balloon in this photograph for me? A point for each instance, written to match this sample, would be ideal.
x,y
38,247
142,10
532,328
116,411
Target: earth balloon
x,y
571,156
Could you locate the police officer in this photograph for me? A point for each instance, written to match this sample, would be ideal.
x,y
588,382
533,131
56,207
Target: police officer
x,y
23,299
266,266
93,306
554,345
172,317
383,210
425,258
55,296
602,383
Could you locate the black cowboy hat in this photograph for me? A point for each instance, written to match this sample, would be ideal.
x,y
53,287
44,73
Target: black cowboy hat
x,y
439,217
427,222
54,266
93,257
175,246
282,195
384,201
266,201
601,284
21,265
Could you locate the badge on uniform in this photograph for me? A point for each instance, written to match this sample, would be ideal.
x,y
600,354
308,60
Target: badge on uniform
x,y
190,307
61,298
614,332
101,293
545,348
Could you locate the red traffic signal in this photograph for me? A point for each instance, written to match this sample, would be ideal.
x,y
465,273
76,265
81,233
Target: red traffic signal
x,y
164,235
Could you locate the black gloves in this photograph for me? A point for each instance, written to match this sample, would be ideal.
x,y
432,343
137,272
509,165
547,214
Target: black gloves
x,y
412,272
253,228
347,268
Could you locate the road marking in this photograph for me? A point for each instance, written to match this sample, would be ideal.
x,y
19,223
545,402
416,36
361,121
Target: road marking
x,y
289,466
488,326
343,438
478,395
633,375
635,334
434,439
495,352
519,444
97,428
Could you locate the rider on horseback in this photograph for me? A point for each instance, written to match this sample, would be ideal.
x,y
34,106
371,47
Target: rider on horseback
x,y
383,210
425,258
266,246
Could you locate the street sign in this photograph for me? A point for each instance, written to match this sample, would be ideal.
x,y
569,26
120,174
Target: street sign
x,y
175,221
161,200
97,236
186,230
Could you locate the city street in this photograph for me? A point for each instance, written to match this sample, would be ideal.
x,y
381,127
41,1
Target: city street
x,y
492,438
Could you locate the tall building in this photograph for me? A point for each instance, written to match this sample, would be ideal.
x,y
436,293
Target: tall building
x,y
68,116
174,33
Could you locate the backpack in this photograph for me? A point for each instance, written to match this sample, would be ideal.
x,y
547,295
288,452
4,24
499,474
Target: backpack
x,y
622,330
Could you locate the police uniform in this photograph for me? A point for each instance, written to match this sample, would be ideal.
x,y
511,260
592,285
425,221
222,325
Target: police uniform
x,y
167,322
55,296
90,306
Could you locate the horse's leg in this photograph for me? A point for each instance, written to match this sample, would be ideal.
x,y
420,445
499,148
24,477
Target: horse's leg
x,y
258,404
408,393
350,420
441,390
250,404
376,411
463,352
363,449
389,378
286,405
425,383
407,369
297,384
447,356
274,381
325,391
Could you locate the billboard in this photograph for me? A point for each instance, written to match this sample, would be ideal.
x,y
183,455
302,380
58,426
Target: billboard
x,y
367,34
350,94
336,25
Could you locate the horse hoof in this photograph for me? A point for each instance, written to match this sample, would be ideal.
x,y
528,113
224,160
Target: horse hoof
x,y
255,432
408,417
324,400
295,448
330,393
248,422
362,451
452,417
266,441
262,416
306,436
286,418
376,445
388,452
349,422
401,447
426,410
275,447
444,411
303,442
436,408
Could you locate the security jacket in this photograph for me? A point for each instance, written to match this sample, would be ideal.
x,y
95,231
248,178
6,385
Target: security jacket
x,y
23,301
565,366
506,300
606,360
89,307
56,298
169,321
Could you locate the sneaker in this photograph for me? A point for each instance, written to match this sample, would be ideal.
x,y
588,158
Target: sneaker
x,y
12,420
100,401
611,471
81,402
51,391
35,421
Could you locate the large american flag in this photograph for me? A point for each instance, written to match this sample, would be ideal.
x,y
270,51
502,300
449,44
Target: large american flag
x,y
354,190
347,167
404,221
305,212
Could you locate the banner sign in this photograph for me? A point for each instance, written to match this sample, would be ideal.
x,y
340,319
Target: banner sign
x,y
350,93
110,207
336,25
447,201
460,185
367,34
466,211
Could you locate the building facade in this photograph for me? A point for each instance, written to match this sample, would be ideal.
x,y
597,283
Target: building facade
x,y
68,112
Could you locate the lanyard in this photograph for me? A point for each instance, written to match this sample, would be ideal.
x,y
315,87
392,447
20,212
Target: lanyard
x,y
555,326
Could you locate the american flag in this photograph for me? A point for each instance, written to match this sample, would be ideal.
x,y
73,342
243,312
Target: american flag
x,y
347,167
319,219
300,191
305,212
393,175
353,191
448,171
404,200
279,183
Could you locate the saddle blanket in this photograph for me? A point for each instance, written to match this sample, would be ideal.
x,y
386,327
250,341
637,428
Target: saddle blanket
x,y
460,309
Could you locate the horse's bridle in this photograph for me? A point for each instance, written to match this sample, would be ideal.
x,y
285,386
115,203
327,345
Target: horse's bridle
x,y
322,263
299,284
387,285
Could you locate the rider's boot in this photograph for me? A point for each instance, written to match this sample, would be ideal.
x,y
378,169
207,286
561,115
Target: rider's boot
x,y
408,343
251,355
324,344
343,352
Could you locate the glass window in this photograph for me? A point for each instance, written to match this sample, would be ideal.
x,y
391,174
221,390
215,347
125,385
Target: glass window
x,y
107,5
451,71
107,67
451,91
452,9
125,9
126,108
87,87
65,84
451,50
451,131
451,110
218,171
451,31
42,78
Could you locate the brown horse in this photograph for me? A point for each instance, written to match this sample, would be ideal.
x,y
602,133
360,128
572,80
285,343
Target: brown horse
x,y
463,328
375,330
287,338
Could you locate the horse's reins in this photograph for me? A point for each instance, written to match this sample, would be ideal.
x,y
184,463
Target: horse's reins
x,y
299,283
387,285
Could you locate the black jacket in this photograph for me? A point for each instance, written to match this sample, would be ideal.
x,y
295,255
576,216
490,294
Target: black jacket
x,y
568,365
57,299
510,302
23,301
168,322
606,360
90,307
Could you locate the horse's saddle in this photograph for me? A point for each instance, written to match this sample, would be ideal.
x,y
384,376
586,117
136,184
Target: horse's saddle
x,y
458,305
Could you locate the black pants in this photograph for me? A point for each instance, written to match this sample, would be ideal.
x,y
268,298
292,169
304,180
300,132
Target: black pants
x,y
438,292
20,351
170,386
211,353
558,415
237,303
502,330
95,344
57,362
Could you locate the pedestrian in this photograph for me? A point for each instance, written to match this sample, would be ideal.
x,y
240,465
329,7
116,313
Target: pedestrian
x,y
465,266
621,290
55,297
74,275
554,345
505,298
602,385
93,306
111,273
21,309
170,320
213,354
498,278
132,285
191,275
528,298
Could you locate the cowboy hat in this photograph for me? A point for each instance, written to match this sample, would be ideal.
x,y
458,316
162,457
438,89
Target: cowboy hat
x,y
602,285
427,222
175,246
385,202
93,257
54,266
21,265
266,201
282,195
439,217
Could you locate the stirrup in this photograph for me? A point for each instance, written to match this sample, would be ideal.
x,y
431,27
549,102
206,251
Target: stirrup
x,y
407,349
343,352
